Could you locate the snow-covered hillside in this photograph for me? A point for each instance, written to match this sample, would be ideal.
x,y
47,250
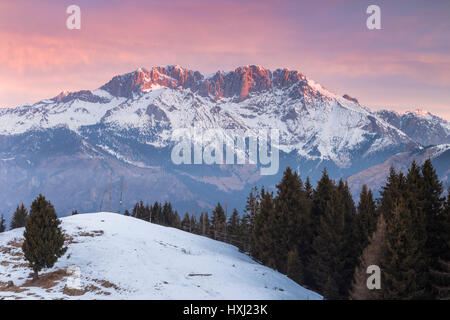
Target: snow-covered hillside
x,y
125,258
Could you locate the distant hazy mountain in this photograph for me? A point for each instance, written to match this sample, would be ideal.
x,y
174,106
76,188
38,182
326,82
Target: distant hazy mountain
x,y
375,177
421,126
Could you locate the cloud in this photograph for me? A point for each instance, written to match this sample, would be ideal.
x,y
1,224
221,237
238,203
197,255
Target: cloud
x,y
327,41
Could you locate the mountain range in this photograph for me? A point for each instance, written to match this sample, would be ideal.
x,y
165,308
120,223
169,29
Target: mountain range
x,y
111,147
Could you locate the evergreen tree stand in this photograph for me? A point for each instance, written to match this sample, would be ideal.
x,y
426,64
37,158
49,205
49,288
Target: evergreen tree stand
x,y
44,240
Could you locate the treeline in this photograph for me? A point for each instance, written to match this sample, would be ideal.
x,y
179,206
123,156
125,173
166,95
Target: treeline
x,y
19,218
217,227
18,221
323,241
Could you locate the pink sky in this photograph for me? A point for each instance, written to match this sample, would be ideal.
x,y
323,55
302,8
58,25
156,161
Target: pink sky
x,y
406,65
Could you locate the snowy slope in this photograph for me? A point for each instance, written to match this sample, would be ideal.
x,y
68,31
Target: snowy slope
x,y
125,258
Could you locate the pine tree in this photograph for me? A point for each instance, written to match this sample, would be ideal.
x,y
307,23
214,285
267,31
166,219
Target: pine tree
x,y
440,271
352,249
127,213
19,217
265,240
319,202
44,240
176,221
414,198
309,190
252,205
186,222
293,224
331,289
403,256
247,236
321,196
203,224
437,243
146,213
367,217
156,213
365,226
135,210
394,189
441,280
295,266
167,213
433,206
141,211
193,224
233,230
252,209
329,250
2,224
218,222
372,255
208,226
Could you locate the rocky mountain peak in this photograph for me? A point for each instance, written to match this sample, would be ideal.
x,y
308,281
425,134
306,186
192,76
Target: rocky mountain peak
x,y
143,80
349,98
240,83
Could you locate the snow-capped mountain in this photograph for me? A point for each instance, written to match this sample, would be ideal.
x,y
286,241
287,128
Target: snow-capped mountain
x,y
421,126
111,256
123,131
314,122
